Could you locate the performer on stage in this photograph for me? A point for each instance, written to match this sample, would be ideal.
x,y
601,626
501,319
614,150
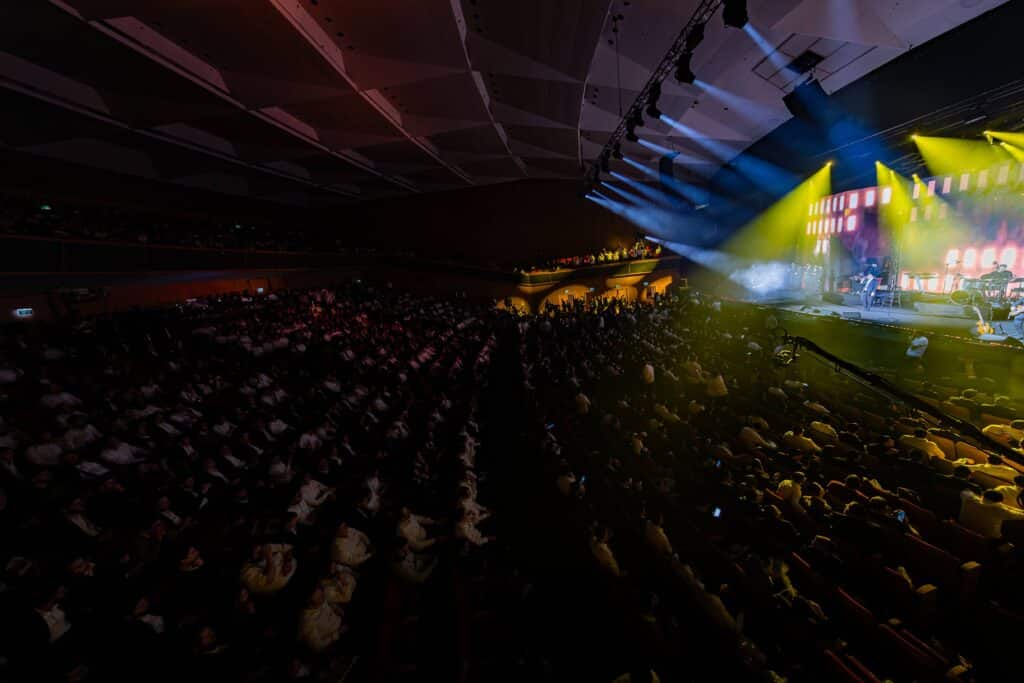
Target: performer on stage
x,y
871,281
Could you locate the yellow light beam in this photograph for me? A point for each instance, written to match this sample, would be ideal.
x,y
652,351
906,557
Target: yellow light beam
x,y
774,234
954,155
1016,152
1015,139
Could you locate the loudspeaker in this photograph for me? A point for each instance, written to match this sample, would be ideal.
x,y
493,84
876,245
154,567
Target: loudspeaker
x,y
804,99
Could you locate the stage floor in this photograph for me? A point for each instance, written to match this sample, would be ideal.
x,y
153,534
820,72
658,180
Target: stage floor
x,y
895,317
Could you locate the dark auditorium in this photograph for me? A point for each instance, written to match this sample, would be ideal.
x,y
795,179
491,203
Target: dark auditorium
x,y
503,341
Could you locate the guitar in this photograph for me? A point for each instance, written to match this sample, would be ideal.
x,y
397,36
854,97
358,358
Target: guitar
x,y
983,327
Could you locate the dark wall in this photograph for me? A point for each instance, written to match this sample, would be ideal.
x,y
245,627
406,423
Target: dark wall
x,y
520,222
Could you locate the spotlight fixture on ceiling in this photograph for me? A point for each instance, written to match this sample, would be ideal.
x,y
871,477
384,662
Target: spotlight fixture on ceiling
x,y
604,163
683,72
735,13
677,59
631,132
694,37
652,102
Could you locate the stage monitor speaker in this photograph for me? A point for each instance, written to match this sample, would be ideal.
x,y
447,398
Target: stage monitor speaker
x,y
833,298
852,315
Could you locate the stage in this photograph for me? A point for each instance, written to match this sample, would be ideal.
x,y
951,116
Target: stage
x,y
937,317
878,339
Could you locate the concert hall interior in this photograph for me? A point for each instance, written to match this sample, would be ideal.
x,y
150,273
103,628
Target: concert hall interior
x,y
511,340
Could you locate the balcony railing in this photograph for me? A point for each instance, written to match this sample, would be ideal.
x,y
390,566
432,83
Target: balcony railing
x,y
614,269
24,254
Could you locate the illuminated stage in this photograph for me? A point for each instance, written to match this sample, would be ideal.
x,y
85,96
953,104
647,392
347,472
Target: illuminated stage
x,y
907,320
878,340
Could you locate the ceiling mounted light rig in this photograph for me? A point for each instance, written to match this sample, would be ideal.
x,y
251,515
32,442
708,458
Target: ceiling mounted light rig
x,y
676,61
735,13
652,102
684,74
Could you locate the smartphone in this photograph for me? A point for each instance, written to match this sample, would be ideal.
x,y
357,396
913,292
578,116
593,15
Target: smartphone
x,y
901,516
549,426
716,513
583,480
718,464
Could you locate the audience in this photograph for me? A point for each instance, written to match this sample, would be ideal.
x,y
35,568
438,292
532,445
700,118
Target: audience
x,y
641,249
218,482
305,485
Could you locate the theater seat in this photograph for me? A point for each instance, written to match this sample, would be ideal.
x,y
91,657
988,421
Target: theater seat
x,y
975,455
916,662
854,612
840,670
965,543
948,446
930,562
989,419
923,519
808,579
861,670
956,411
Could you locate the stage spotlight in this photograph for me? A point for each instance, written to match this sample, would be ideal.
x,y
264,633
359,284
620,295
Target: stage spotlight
x,y
652,103
829,163
637,119
683,72
695,37
604,163
913,136
735,13
617,151
631,132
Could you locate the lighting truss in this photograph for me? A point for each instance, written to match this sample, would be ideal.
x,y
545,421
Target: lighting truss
x,y
705,10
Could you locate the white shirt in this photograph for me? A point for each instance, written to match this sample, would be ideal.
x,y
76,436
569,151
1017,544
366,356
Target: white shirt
x,y
76,438
352,549
124,454
302,510
412,531
44,454
313,492
62,399
983,517
56,623
465,529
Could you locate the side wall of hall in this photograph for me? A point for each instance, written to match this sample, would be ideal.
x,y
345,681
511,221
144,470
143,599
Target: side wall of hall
x,y
522,223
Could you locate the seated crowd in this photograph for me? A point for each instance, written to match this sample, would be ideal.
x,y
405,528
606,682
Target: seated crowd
x,y
641,249
43,217
355,482
825,531
273,488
